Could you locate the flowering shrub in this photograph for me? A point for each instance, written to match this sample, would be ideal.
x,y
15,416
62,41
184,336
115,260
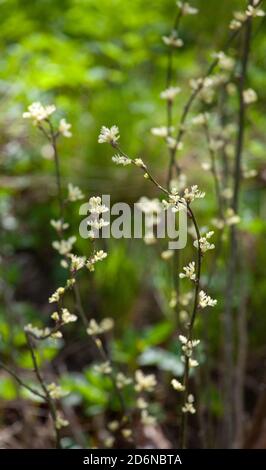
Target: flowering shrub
x,y
136,392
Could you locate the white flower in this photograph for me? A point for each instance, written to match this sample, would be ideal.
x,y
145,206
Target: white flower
x,y
141,403
109,135
235,24
98,224
200,119
206,166
177,385
37,112
96,206
189,272
204,244
67,317
205,300
104,368
64,127
170,93
231,218
113,426
64,246
149,206
161,131
95,329
147,419
122,381
167,254
249,96
38,332
192,362
126,433
98,256
55,316
186,8
189,407
188,345
74,193
121,160
190,194
55,391
139,162
254,12
227,193
173,40
60,421
77,262
59,225
55,297
249,173
145,383
225,62
173,144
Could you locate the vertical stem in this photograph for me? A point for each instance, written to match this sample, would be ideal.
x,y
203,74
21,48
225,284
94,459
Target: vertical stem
x,y
48,398
183,429
233,246
53,140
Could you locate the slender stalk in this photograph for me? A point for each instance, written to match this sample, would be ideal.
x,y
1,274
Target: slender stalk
x,y
183,427
169,104
233,244
48,399
214,170
181,128
20,382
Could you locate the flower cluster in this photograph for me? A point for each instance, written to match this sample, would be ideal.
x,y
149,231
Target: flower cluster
x,y
170,93
203,244
144,383
189,405
38,113
74,193
205,300
186,8
189,272
96,329
109,135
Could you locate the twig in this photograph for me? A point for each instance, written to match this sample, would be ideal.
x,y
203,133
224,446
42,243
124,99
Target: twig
x,y
233,245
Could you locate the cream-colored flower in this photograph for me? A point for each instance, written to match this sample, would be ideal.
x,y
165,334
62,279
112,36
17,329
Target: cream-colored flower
x,y
55,297
204,244
173,40
250,96
186,8
122,380
64,246
190,194
205,300
189,272
144,383
121,160
109,135
95,329
64,128
68,317
177,385
170,93
38,113
55,391
60,421
59,225
104,368
77,262
74,193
